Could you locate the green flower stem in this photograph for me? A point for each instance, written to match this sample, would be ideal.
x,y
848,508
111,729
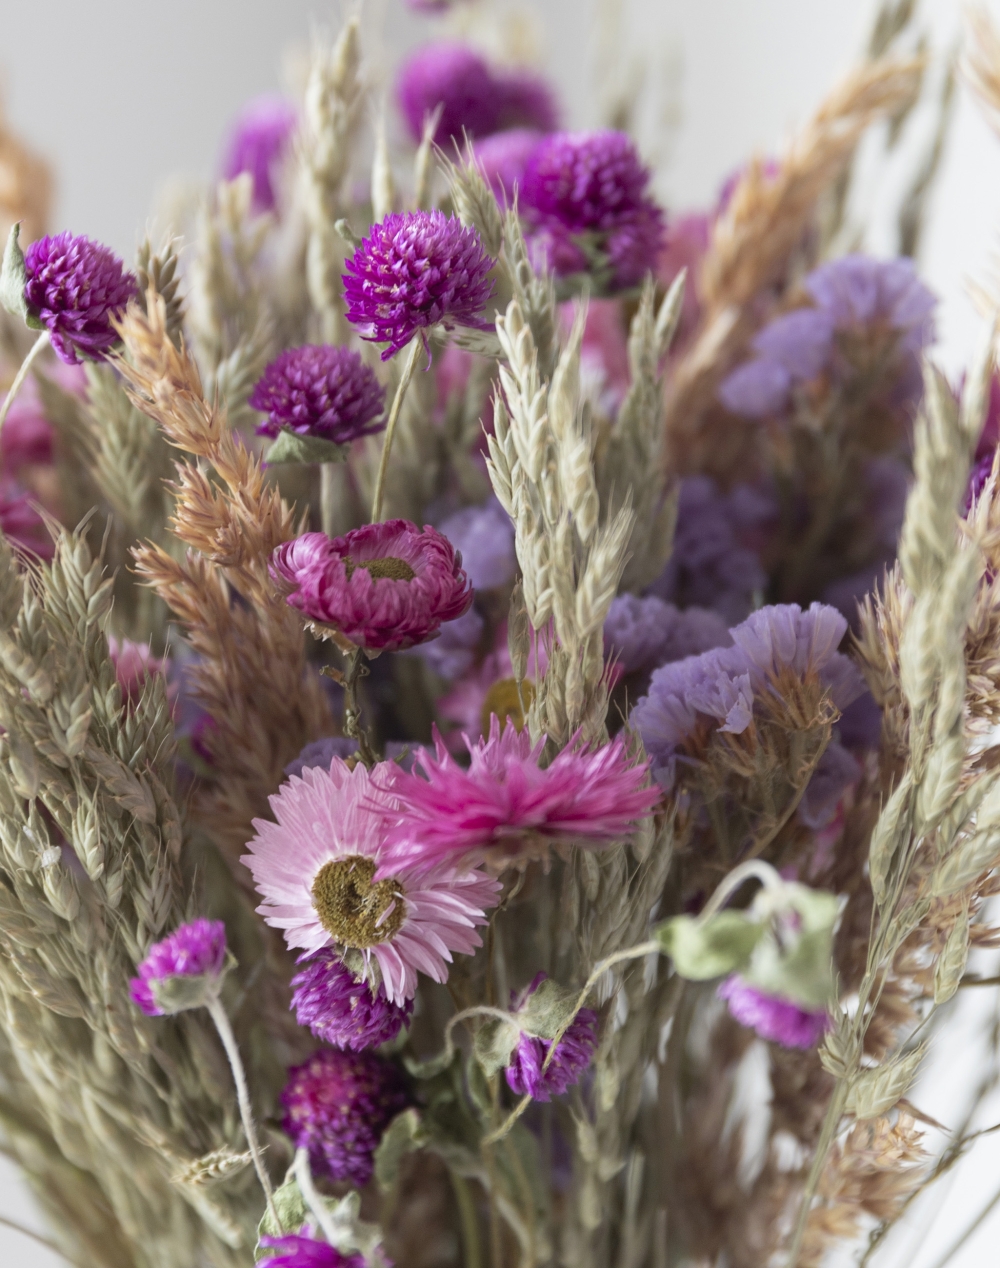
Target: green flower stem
x,y
303,1174
218,1015
40,344
390,429
473,1255
327,497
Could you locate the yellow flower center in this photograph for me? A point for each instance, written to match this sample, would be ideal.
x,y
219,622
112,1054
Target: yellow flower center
x,y
389,567
503,700
352,909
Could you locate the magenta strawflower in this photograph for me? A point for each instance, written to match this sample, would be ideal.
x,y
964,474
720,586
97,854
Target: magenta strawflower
x,y
574,1053
259,142
477,99
196,951
337,1105
586,203
416,269
506,803
340,1010
319,390
296,1251
383,586
320,870
778,1020
74,287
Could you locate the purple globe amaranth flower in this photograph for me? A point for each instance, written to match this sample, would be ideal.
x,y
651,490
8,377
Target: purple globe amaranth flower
x,y
337,1105
260,139
74,288
484,536
195,951
318,390
574,1053
476,99
414,270
340,1010
384,586
644,633
503,158
296,1251
586,203
775,1019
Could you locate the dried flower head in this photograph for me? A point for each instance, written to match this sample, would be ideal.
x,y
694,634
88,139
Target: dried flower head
x,y
775,1019
327,880
643,633
506,803
340,1010
74,288
416,269
484,537
320,391
503,158
574,1053
195,952
20,521
337,1105
476,99
295,1251
383,586
260,140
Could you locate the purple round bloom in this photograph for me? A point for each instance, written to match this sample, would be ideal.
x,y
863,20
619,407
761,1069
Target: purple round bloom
x,y
339,1009
503,157
585,194
260,139
295,1251
476,99
484,536
74,287
195,950
415,269
778,1020
384,586
320,391
337,1105
574,1053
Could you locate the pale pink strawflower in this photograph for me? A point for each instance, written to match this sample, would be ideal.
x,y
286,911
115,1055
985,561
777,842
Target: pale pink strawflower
x,y
505,804
383,586
321,869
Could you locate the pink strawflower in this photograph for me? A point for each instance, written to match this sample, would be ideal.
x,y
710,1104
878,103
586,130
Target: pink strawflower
x,y
323,872
506,801
134,665
383,586
778,1020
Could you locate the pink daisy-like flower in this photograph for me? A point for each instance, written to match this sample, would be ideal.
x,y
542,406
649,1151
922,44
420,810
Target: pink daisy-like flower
x,y
506,801
383,586
321,871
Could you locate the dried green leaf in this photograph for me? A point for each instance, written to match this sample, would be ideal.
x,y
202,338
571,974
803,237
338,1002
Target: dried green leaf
x,y
291,447
703,949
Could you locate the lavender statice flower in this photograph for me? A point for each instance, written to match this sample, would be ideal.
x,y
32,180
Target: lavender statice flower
x,y
714,564
793,348
784,637
586,202
321,753
453,652
340,1010
859,291
503,157
476,99
296,1251
75,287
644,633
775,1019
835,772
337,1105
484,537
414,270
320,391
574,1053
196,952
259,142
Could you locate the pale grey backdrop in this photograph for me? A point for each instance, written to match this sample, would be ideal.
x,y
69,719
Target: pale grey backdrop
x,y
124,95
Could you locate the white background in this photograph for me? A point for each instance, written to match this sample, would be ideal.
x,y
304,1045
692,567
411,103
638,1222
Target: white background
x,y
124,95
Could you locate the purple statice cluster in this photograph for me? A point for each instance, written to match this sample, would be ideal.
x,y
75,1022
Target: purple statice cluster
x,y
640,634
857,304
475,99
717,690
259,143
321,391
534,1069
415,270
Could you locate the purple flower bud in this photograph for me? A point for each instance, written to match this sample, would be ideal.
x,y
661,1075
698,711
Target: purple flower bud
x,y
337,1105
572,1056
196,952
74,287
778,1020
320,391
339,1009
259,141
295,1251
414,270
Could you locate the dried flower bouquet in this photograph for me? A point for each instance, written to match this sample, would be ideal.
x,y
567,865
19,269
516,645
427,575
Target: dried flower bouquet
x,y
483,664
